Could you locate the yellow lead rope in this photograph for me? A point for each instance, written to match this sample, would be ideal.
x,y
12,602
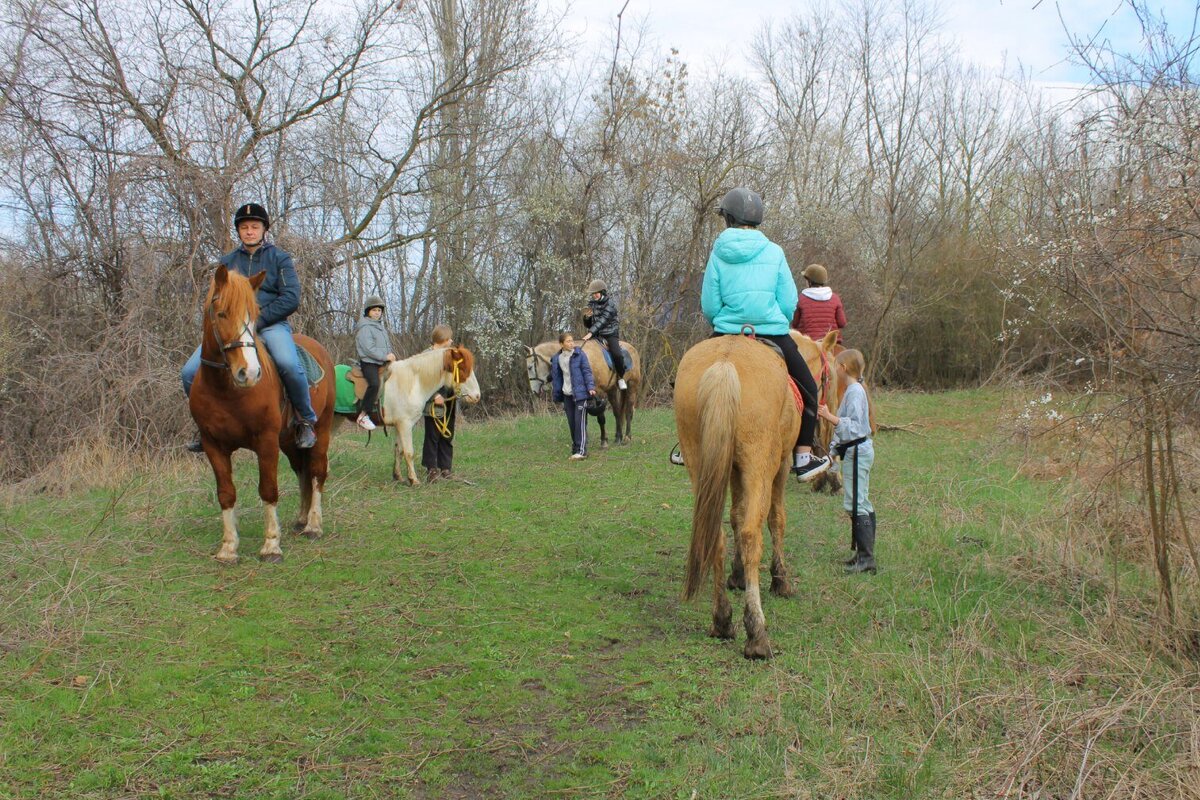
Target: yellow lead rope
x,y
443,423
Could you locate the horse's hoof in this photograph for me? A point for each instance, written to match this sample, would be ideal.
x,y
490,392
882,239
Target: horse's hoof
x,y
721,629
271,558
298,526
782,588
758,649
603,444
311,533
226,561
736,584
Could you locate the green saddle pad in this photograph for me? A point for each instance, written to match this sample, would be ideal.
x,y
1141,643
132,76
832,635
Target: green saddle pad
x,y
311,367
344,401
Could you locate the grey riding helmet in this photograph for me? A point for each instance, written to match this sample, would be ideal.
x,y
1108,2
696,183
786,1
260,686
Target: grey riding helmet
x,y
743,206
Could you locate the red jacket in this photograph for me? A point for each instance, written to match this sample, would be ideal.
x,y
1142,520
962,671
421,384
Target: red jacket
x,y
815,318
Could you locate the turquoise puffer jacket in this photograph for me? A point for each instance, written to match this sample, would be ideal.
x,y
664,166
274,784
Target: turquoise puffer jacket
x,y
747,282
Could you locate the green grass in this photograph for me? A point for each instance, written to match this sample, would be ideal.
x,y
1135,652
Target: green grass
x,y
524,637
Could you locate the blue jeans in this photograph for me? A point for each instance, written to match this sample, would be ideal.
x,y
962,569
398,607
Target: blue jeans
x,y
282,347
856,474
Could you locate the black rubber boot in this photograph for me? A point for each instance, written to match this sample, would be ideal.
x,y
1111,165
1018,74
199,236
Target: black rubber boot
x,y
863,529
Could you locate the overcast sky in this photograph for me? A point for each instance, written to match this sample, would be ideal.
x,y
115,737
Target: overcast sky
x,y
995,33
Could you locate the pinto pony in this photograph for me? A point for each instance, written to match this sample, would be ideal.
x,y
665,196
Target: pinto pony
x,y
409,384
238,401
537,368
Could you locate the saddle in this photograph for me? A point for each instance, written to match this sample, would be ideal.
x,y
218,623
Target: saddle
x,y
351,386
312,367
608,355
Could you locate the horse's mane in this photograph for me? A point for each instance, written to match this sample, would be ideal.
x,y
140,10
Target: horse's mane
x,y
235,297
431,363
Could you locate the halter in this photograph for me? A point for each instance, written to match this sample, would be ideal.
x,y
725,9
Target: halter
x,y
239,342
443,423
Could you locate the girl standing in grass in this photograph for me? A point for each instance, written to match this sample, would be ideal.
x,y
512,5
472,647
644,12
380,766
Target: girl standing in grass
x,y
852,442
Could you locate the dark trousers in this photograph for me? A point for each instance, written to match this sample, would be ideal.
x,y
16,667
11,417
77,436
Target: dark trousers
x,y
438,450
797,367
576,411
371,396
614,348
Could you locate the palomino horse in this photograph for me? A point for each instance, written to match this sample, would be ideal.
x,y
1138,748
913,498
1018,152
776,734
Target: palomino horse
x,y
537,367
737,422
409,384
238,401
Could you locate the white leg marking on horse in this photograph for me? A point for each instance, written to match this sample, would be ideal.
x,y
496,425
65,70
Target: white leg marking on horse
x,y
754,603
229,536
270,531
314,510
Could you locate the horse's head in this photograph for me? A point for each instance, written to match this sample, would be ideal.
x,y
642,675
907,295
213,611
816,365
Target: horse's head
x,y
459,364
229,314
537,369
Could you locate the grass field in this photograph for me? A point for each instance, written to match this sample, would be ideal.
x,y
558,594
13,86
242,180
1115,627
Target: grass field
x,y
524,637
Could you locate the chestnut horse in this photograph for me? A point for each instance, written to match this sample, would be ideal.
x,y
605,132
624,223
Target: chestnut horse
x,y
537,367
737,422
409,384
238,401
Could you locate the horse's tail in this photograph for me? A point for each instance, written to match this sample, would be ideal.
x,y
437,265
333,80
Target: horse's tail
x,y
719,396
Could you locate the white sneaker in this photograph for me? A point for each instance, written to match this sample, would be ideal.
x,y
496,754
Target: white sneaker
x,y
365,423
621,384
578,456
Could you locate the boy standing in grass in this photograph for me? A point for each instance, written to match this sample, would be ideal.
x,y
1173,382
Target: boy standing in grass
x,y
437,454
852,442
572,382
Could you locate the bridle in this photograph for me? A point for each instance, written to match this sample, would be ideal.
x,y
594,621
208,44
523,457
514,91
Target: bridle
x,y
247,326
531,372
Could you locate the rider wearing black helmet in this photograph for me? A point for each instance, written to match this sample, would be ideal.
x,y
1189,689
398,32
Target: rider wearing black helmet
x,y
747,282
278,297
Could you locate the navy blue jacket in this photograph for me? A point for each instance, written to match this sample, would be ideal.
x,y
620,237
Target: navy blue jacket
x,y
279,294
582,381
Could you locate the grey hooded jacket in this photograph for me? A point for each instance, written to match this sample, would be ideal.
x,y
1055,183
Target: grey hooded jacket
x,y
371,339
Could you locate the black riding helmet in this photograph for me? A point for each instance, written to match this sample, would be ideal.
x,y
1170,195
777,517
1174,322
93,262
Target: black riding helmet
x,y
742,207
252,211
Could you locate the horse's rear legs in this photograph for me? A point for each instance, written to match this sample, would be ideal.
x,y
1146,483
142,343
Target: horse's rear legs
x,y
722,623
749,542
781,583
310,467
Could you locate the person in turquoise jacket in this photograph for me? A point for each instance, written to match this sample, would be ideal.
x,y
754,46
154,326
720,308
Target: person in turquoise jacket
x,y
747,282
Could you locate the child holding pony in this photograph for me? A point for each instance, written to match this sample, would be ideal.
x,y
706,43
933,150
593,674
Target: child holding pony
x,y
437,452
572,382
852,442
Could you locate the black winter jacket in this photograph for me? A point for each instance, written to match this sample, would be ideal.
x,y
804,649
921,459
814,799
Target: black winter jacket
x,y
603,314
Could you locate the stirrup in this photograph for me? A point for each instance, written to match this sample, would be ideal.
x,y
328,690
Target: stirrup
x,y
676,456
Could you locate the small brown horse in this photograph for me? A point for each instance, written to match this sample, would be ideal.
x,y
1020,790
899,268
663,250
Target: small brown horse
x,y
238,401
623,403
819,357
737,422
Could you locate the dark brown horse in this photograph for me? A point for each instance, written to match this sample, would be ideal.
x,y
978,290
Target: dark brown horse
x,y
622,402
238,401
